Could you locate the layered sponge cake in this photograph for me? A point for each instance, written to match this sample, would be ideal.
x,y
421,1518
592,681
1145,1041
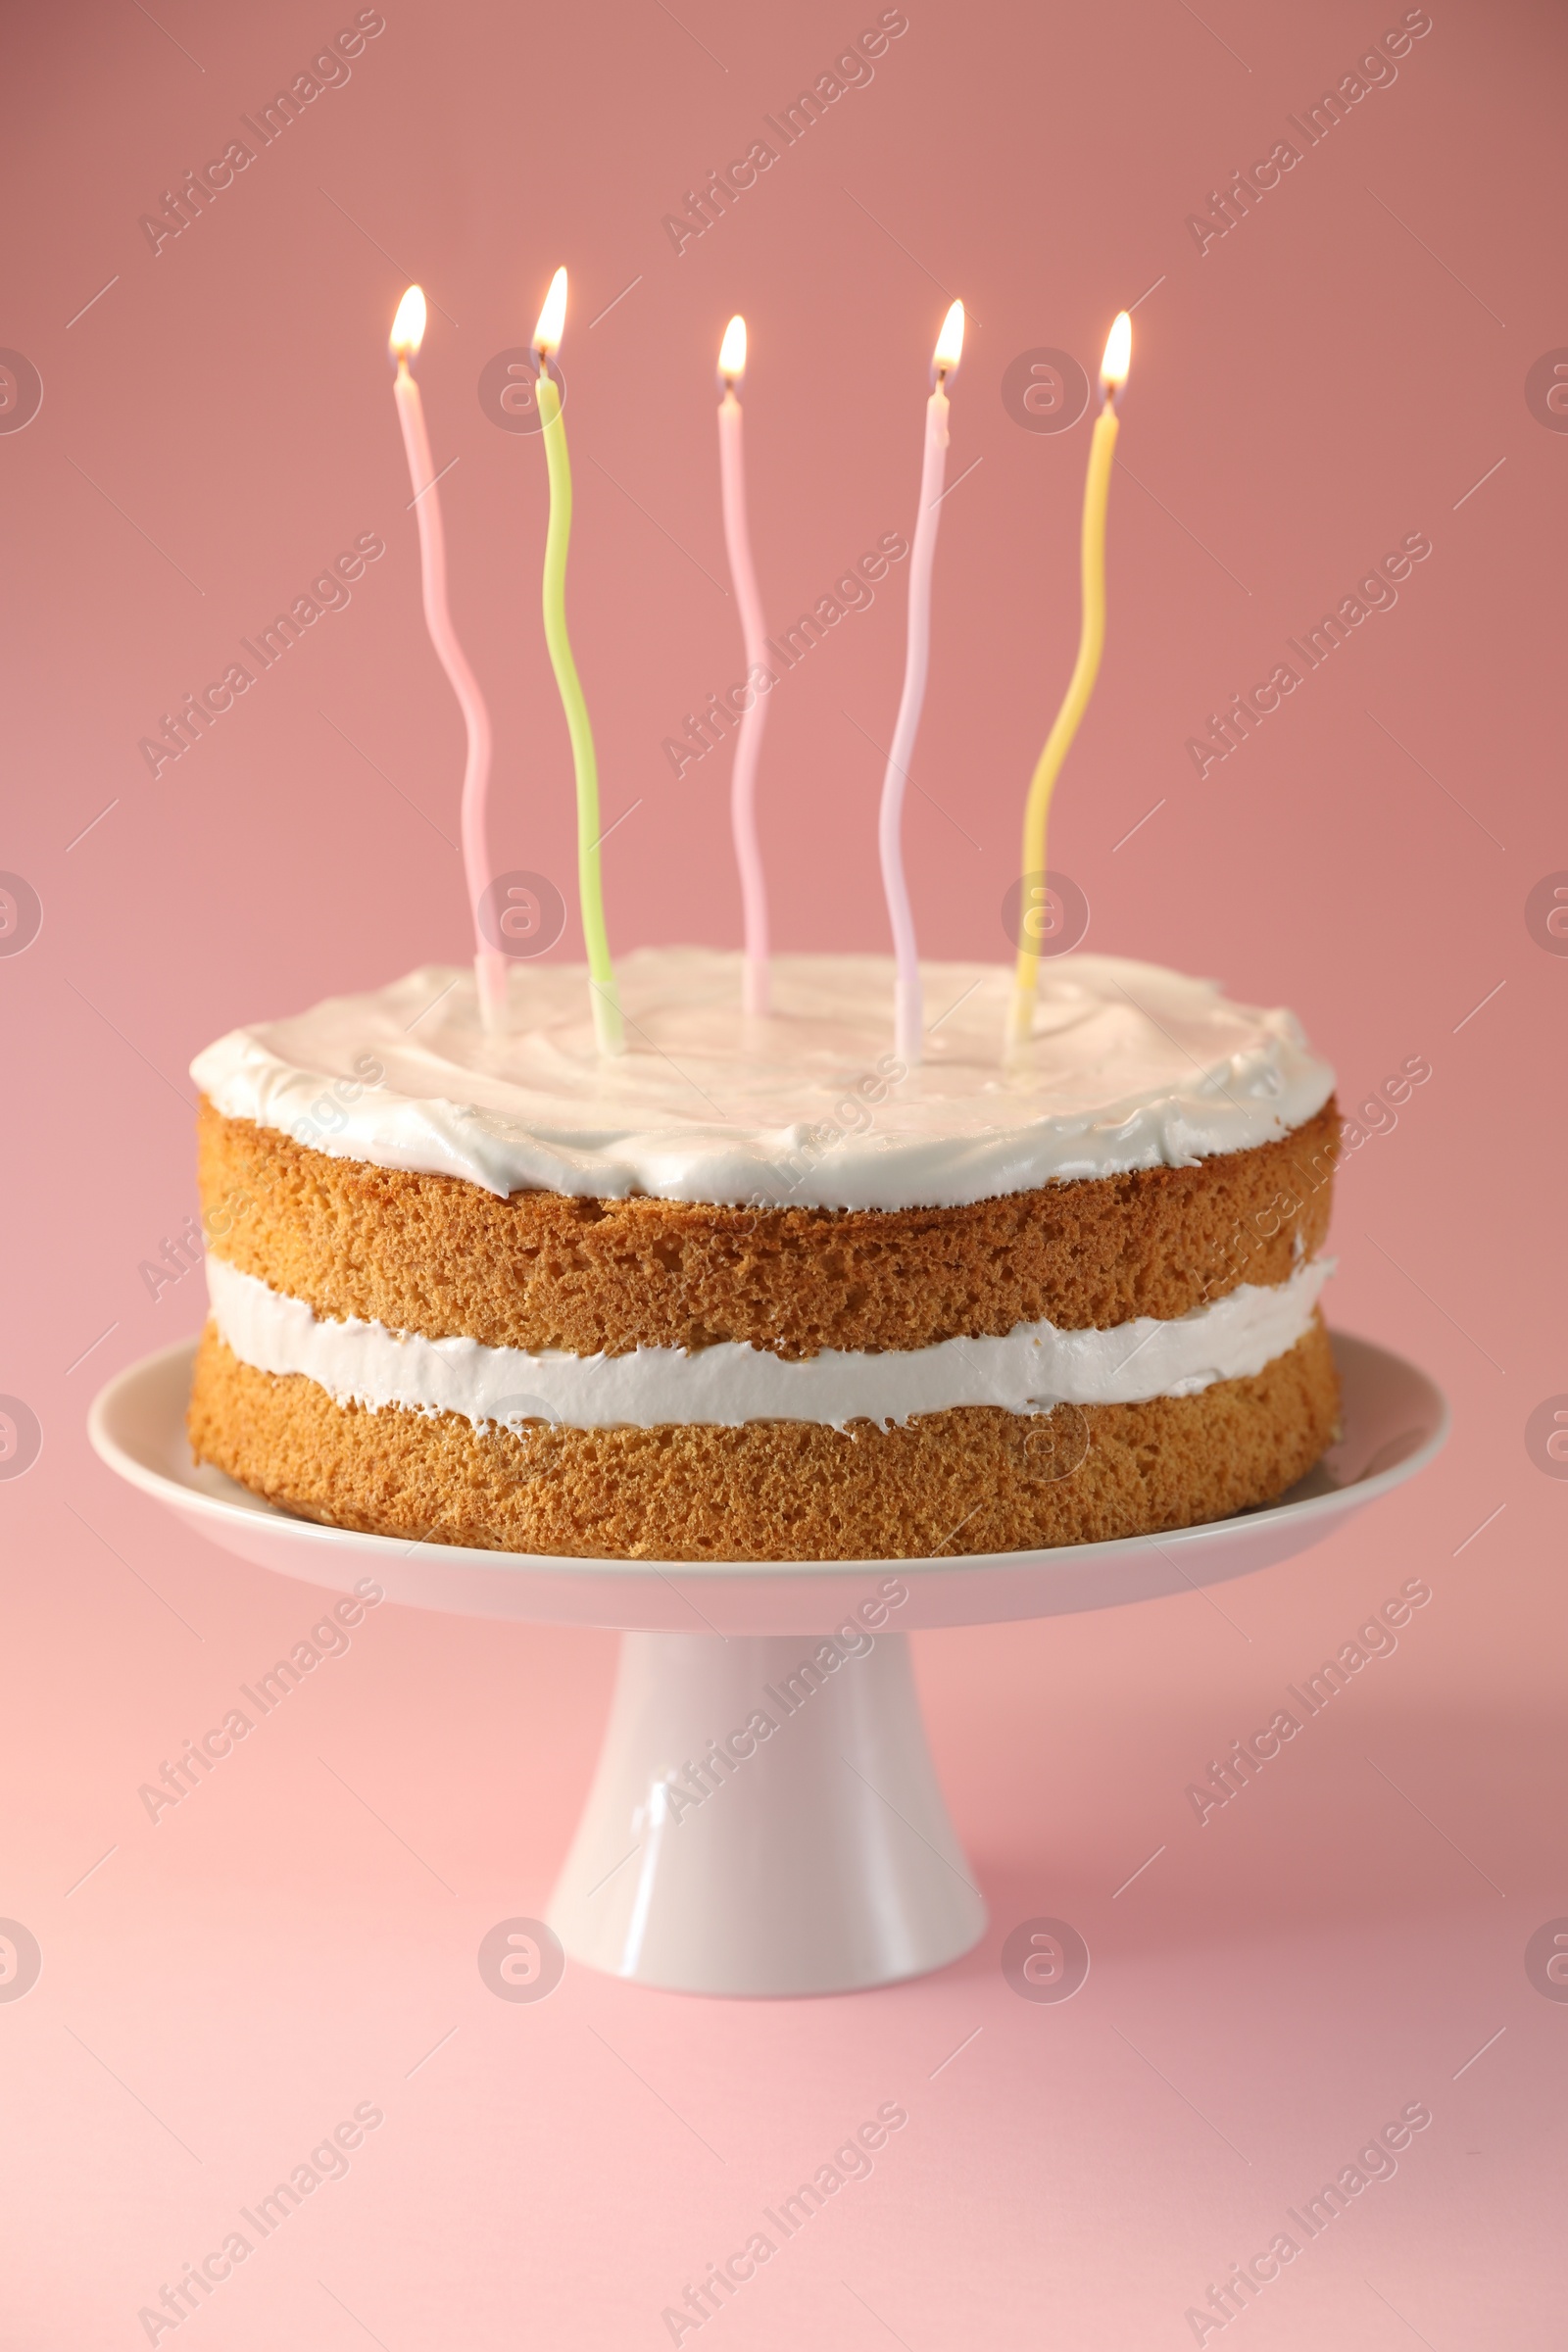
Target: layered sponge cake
x,y
755,1291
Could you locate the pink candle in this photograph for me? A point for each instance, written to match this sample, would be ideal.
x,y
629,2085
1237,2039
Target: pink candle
x,y
908,1010
749,737
490,965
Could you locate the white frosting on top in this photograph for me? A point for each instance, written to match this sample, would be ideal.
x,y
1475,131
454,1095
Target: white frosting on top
x,y
1035,1367
1129,1066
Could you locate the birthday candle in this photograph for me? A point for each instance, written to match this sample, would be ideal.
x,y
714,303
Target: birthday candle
x,y
603,994
1092,637
908,1013
407,333
749,737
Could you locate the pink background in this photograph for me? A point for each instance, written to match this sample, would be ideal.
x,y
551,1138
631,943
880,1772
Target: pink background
x,y
227,1984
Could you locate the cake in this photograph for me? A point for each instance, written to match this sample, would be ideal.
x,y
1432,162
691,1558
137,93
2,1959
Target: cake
x,y
754,1290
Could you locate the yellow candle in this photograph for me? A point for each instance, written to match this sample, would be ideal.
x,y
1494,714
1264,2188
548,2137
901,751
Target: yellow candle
x,y
602,990
1080,685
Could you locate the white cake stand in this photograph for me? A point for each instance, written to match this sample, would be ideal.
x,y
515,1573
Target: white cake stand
x,y
818,1857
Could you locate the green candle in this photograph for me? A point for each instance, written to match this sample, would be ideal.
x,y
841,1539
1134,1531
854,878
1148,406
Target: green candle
x,y
601,988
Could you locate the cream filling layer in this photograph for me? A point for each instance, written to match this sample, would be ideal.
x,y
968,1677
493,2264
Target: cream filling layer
x,y
1033,1368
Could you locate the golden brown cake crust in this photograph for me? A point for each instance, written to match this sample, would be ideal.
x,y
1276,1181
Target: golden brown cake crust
x,y
974,1478
439,1255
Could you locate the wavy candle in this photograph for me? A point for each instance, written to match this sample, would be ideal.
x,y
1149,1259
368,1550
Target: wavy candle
x,y
602,991
749,736
407,333
1090,642
908,1009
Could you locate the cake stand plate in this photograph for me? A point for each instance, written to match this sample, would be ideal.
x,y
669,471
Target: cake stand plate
x,y
765,1818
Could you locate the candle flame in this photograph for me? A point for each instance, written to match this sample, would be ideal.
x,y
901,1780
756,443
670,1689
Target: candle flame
x,y
732,351
552,319
408,327
950,343
1118,353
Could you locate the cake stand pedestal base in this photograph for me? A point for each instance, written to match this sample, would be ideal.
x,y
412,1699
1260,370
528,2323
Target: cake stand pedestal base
x,y
760,1824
